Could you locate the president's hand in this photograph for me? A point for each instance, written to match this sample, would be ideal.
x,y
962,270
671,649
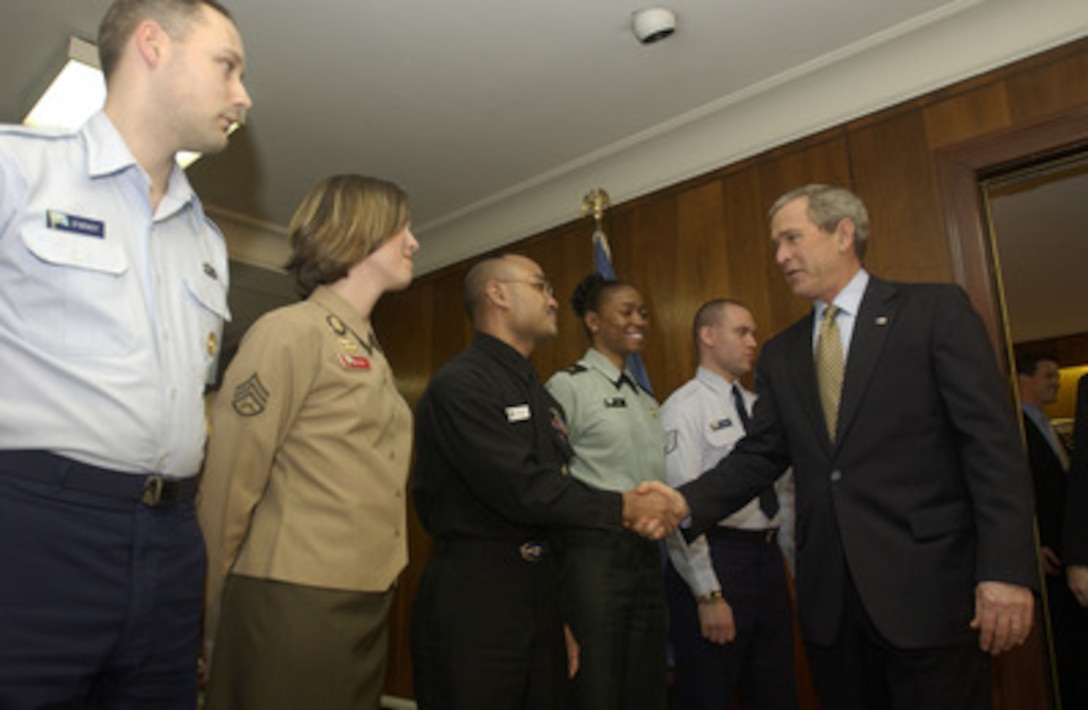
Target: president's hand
x,y
1003,615
1078,582
653,510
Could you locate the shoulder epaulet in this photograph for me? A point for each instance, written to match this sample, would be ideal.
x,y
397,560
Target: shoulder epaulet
x,y
575,369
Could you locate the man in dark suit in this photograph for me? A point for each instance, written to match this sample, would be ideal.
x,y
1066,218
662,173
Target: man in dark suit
x,y
1067,572
1076,504
1038,380
915,556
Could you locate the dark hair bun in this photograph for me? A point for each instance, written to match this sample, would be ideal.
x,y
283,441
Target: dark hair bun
x,y
587,294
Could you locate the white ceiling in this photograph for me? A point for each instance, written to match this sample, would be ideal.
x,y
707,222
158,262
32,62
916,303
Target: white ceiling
x,y
498,115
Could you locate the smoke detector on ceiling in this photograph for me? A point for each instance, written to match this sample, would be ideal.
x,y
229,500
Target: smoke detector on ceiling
x,y
653,24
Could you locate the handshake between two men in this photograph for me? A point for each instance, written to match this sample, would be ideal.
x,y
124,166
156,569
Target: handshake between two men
x,y
653,510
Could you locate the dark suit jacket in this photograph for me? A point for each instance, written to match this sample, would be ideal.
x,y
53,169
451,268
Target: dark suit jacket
x,y
926,490
1075,541
1049,480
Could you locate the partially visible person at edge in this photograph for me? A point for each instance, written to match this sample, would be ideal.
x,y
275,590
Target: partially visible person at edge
x,y
915,556
612,585
1075,535
302,502
490,485
113,291
1038,381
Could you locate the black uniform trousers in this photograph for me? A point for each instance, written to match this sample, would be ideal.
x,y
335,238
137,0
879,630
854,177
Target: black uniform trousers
x,y
101,587
757,665
487,631
615,605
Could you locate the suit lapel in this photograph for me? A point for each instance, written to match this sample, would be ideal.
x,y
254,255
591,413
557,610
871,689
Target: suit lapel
x,y
874,321
804,377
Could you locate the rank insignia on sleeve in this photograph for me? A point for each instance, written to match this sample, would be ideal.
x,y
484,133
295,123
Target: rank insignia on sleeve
x,y
670,441
354,362
250,397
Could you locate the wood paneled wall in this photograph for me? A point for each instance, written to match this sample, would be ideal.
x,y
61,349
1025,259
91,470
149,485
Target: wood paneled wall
x,y
707,237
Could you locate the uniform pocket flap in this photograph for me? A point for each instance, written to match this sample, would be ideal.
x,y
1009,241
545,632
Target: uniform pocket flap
x,y
90,253
210,292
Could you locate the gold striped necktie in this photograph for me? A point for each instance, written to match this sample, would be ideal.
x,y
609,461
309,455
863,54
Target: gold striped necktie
x,y
829,367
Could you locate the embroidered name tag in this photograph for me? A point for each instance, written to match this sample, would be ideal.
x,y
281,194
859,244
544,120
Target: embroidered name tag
x,y
55,219
517,413
612,402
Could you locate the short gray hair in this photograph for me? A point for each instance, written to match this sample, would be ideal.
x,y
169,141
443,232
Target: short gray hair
x,y
827,206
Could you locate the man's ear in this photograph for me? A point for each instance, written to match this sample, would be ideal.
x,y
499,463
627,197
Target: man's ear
x,y
845,234
706,335
494,292
151,40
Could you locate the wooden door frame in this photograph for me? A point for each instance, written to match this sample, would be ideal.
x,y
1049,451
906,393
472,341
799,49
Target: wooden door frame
x,y
960,170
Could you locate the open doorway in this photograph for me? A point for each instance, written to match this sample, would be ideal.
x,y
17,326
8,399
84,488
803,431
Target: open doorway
x,y
1006,199
1038,226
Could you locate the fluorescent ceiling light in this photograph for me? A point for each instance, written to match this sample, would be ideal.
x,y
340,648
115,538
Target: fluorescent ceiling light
x,y
77,92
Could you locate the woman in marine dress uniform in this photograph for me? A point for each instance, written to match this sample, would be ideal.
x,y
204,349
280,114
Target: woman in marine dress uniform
x,y
302,501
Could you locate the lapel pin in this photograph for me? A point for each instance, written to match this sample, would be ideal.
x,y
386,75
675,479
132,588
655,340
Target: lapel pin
x,y
882,320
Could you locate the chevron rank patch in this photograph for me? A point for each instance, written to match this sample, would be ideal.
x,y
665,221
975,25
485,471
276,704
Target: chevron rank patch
x,y
250,397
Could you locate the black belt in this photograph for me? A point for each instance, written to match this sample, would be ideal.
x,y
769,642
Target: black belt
x,y
153,490
737,535
529,551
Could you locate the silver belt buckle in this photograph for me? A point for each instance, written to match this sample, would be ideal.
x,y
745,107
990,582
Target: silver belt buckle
x,y
532,551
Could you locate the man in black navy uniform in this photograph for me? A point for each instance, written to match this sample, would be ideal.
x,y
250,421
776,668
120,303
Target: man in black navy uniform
x,y
490,486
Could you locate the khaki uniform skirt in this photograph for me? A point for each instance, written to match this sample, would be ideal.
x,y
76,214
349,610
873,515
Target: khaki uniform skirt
x,y
288,646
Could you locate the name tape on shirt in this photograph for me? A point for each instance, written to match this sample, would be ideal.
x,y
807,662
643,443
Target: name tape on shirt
x,y
55,219
517,413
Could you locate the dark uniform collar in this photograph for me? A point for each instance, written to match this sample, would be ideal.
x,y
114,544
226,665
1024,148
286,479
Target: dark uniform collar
x,y
506,355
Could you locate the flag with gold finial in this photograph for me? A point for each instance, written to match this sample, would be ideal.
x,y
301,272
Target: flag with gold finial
x,y
602,261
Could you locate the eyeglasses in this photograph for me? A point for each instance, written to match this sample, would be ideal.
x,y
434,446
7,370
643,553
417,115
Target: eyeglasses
x,y
542,285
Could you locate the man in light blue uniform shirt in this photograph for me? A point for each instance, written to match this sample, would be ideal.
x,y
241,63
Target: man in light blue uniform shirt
x,y
112,300
729,606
